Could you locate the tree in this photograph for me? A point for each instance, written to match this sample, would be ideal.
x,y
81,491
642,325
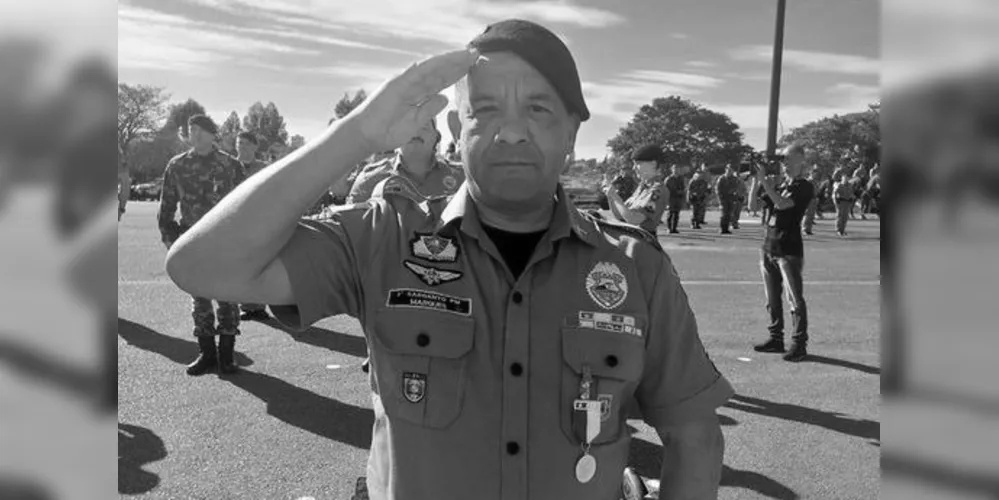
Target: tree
x,y
835,140
689,134
228,132
151,154
180,113
297,141
346,104
140,110
268,124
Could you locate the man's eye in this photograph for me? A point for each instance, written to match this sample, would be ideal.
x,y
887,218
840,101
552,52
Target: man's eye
x,y
485,109
537,108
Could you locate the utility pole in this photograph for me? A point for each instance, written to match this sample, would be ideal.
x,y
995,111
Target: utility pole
x,y
775,77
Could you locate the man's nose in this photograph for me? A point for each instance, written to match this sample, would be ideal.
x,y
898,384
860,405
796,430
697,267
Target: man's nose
x,y
513,130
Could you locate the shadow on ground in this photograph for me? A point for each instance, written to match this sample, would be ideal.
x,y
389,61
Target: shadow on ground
x,y
870,370
862,428
177,350
137,446
327,339
309,411
646,459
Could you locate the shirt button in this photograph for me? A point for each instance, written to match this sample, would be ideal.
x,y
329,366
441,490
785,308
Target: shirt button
x,y
518,297
611,361
423,340
516,369
512,448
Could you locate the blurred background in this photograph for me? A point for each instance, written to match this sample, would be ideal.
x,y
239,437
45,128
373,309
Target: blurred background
x,y
58,238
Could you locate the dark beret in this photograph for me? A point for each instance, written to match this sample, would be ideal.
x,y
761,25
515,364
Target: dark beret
x,y
648,152
204,122
542,49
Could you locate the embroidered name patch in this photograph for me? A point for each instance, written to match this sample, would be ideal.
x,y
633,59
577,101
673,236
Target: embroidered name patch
x,y
425,299
431,275
434,248
607,285
414,386
609,322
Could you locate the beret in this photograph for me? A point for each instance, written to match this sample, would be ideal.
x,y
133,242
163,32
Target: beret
x,y
543,50
204,122
648,152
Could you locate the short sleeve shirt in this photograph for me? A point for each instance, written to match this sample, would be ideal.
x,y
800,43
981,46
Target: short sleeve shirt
x,y
475,373
783,227
442,180
649,198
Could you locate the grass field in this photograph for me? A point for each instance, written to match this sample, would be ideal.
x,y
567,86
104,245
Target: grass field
x,y
297,421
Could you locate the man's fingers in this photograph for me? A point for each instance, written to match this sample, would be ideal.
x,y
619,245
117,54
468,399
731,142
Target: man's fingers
x,y
431,76
431,108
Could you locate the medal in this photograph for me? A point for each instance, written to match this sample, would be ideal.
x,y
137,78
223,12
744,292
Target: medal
x,y
586,468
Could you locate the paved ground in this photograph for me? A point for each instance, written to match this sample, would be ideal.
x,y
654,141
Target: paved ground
x,y
296,422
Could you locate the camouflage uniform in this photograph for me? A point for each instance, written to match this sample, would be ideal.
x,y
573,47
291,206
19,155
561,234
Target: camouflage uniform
x,y
728,193
196,183
677,193
697,195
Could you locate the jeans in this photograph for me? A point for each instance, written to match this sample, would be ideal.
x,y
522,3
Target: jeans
x,y
783,276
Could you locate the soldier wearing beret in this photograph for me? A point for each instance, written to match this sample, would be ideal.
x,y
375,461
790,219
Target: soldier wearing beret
x,y
697,195
508,330
195,181
677,188
644,208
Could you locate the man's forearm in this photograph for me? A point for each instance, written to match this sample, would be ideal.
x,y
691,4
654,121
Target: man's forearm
x,y
622,212
238,238
693,455
780,203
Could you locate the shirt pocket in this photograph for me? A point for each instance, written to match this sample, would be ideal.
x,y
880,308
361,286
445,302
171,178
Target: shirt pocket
x,y
616,361
420,361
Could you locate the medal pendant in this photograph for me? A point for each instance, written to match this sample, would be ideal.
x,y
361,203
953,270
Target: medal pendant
x,y
586,468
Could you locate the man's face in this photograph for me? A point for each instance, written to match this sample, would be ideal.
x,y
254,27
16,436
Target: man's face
x,y
422,144
729,170
200,138
645,169
245,149
515,133
794,161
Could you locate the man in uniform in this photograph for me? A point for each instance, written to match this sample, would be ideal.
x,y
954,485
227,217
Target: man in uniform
x,y
246,155
727,190
508,331
124,185
644,208
812,209
783,254
697,195
677,188
196,181
415,167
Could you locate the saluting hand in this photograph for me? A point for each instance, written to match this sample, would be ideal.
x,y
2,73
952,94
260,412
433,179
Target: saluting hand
x,y
395,112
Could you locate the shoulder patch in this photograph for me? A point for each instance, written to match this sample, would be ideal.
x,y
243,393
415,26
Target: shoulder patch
x,y
628,229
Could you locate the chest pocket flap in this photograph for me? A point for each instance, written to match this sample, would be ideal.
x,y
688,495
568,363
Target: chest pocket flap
x,y
614,355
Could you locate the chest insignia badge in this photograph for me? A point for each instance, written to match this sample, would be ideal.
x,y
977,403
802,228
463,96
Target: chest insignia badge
x,y
431,275
434,248
607,285
414,386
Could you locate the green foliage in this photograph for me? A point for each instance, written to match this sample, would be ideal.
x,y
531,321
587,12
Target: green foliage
x,y
141,108
228,132
268,124
853,140
180,113
346,104
689,134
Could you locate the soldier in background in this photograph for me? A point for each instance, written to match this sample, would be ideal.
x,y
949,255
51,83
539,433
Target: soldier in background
x,y
843,195
415,167
727,191
625,183
246,155
741,193
697,195
195,181
677,189
644,208
124,184
812,209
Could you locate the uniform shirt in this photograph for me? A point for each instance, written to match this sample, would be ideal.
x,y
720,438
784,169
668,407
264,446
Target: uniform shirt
x,y
649,198
698,189
677,191
443,179
474,372
727,188
196,183
252,167
783,227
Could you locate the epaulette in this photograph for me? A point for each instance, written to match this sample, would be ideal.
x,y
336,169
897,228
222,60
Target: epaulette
x,y
626,228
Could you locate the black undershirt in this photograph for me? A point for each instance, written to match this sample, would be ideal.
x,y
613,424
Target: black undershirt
x,y
516,248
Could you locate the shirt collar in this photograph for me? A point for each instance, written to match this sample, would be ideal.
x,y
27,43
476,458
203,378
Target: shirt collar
x,y
566,220
399,167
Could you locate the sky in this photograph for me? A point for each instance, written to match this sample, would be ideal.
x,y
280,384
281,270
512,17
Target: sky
x,y
305,54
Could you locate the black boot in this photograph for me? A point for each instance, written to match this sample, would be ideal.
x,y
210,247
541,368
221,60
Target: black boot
x,y
772,345
207,360
227,347
797,353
